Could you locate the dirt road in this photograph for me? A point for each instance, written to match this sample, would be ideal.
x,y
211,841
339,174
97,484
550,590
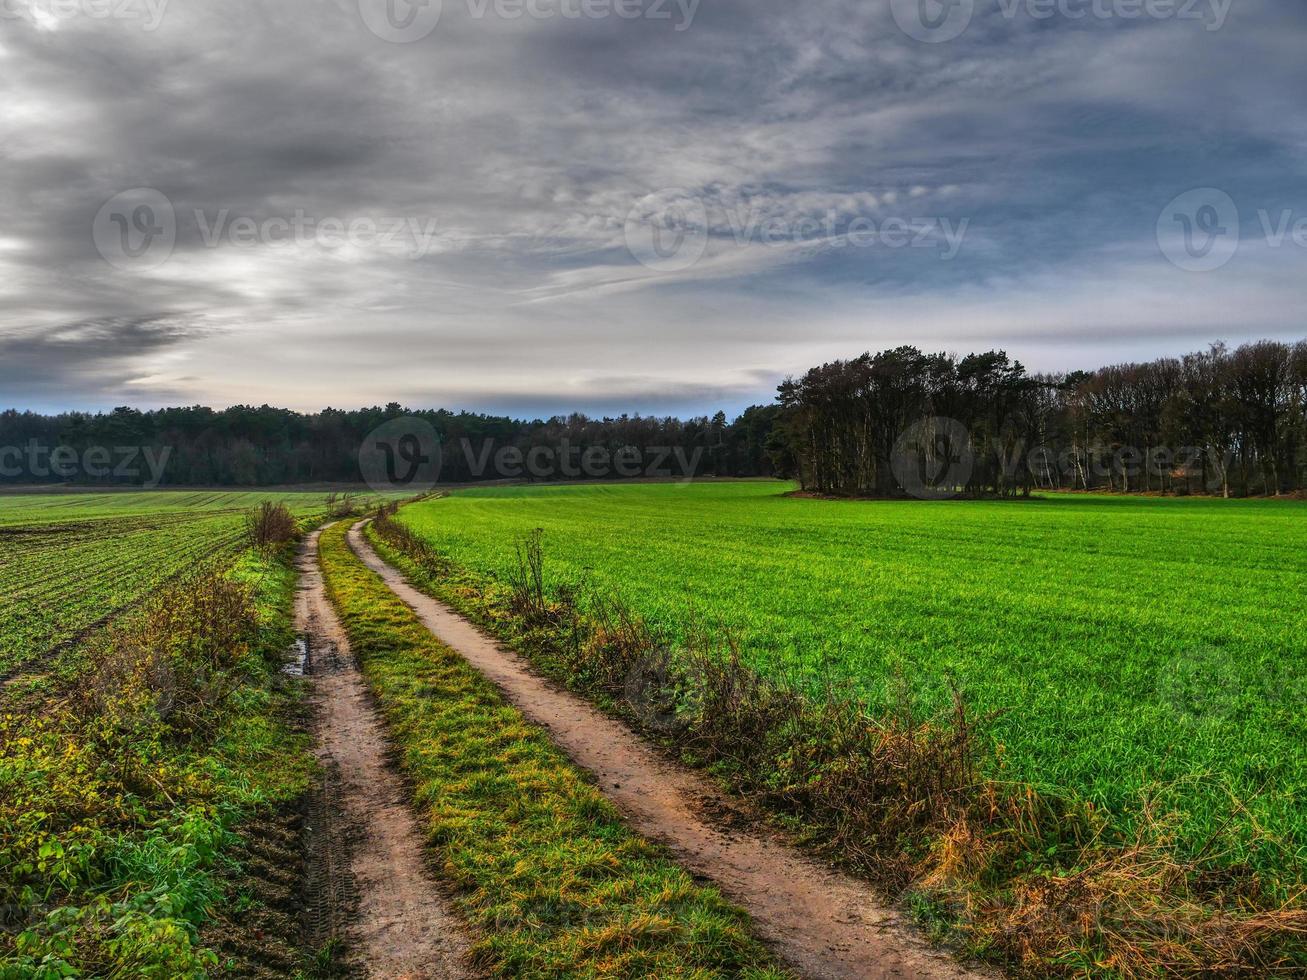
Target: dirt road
x,y
822,923
398,925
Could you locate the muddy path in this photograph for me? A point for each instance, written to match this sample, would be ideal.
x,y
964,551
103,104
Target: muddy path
x,y
822,923
370,882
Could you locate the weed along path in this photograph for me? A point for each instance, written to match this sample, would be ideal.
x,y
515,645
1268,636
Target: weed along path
x,y
822,923
399,924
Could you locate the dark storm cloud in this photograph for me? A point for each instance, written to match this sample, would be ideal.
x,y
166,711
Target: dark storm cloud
x,y
98,353
510,152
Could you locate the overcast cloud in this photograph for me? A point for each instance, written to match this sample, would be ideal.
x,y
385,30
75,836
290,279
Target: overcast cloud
x,y
653,206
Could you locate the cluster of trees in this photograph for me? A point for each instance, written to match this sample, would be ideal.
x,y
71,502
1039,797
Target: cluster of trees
x,y
1223,421
246,446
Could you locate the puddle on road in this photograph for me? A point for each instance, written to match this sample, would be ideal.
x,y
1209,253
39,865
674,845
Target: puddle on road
x,y
298,664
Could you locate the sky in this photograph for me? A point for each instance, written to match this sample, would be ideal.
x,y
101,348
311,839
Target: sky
x,y
657,206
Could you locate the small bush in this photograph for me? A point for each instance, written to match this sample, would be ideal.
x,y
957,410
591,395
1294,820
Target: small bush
x,y
269,525
528,581
340,506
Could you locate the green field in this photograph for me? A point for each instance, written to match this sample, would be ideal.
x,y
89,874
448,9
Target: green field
x,y
1127,645
153,776
26,509
71,561
1130,643
132,763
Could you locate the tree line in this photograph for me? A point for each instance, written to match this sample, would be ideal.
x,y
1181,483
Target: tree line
x,y
1230,422
898,422
267,446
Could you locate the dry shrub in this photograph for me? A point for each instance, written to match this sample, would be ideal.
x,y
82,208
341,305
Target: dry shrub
x,y
616,652
270,525
1149,913
528,580
405,540
174,663
340,505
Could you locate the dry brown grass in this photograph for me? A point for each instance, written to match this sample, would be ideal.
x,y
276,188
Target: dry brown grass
x,y
270,525
174,662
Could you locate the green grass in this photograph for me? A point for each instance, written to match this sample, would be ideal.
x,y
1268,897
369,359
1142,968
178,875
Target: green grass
x,y
544,868
29,509
72,561
1129,642
118,801
117,814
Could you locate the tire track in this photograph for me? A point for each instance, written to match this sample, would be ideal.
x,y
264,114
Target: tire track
x,y
378,893
822,923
